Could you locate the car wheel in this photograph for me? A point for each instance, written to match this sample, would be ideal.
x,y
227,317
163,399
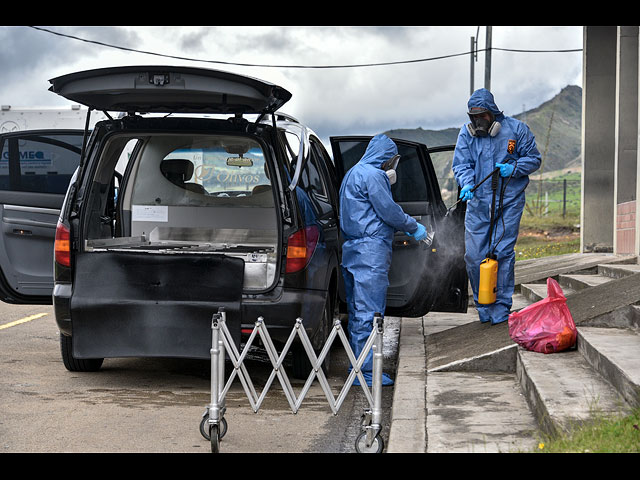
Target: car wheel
x,y
77,364
301,364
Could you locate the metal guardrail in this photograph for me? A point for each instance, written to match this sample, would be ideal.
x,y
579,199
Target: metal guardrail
x,y
213,425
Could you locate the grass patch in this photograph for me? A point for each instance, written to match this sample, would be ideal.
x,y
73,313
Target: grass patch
x,y
547,235
535,246
602,435
550,197
549,222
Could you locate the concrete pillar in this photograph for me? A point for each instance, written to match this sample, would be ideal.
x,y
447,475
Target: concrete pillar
x,y
626,140
637,229
598,138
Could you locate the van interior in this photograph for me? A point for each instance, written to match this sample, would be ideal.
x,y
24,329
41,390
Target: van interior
x,y
167,194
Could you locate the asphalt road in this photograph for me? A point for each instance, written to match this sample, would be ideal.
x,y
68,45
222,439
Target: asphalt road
x,y
155,405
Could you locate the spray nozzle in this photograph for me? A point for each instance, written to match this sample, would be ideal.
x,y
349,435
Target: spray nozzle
x,y
428,240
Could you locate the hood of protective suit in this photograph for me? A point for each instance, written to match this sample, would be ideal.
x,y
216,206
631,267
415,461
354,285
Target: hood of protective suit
x,y
380,149
483,98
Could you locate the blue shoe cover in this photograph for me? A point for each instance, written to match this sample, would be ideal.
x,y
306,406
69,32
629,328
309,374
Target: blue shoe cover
x,y
386,380
483,315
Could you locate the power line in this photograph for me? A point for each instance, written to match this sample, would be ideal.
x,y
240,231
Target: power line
x,y
537,51
358,65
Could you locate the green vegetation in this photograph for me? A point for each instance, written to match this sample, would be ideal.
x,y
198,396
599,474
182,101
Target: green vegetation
x,y
559,195
535,247
604,434
550,222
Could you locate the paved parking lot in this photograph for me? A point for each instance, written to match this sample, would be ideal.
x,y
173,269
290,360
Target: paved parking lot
x,y
149,405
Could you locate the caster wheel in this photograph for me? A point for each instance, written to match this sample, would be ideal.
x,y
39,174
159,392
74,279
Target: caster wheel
x,y
215,439
376,446
204,427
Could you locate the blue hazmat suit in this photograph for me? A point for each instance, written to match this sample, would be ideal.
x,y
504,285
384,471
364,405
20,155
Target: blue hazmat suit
x,y
474,158
369,218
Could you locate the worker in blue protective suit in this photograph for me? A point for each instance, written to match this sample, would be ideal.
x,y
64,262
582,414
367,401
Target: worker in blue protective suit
x,y
369,218
492,140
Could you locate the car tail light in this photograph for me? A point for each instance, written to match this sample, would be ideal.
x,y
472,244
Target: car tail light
x,y
300,247
62,246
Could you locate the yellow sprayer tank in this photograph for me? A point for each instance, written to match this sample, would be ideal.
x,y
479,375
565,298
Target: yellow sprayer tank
x,y
488,281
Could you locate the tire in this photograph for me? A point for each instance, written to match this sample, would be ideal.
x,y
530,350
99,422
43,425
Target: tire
x,y
204,427
77,364
301,364
214,435
361,444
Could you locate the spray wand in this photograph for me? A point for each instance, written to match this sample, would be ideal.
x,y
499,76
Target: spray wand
x,y
497,169
429,239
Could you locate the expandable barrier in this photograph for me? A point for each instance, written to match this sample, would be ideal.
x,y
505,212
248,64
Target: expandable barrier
x,y
213,425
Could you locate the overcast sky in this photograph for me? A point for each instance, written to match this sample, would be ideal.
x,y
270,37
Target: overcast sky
x,y
365,100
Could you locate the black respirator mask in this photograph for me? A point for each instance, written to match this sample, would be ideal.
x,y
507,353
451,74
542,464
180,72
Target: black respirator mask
x,y
481,127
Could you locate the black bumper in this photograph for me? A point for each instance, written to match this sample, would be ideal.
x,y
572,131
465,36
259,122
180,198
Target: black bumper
x,y
139,305
134,311
185,330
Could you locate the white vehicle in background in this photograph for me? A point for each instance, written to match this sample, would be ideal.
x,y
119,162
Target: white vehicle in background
x,y
73,117
35,170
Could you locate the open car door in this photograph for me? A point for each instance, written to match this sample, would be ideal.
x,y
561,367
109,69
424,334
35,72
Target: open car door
x,y
35,170
422,278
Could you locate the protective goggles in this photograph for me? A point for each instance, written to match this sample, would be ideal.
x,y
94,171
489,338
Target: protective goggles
x,y
477,110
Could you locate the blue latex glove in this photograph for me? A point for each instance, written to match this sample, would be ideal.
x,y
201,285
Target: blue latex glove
x,y
466,194
419,234
506,169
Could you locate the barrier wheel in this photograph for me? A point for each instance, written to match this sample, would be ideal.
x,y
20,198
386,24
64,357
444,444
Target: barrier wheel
x,y
215,438
376,446
204,427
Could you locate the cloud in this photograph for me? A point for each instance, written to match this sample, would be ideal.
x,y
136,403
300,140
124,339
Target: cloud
x,y
29,58
367,100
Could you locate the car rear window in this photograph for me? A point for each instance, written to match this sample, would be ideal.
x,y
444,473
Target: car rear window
x,y
207,170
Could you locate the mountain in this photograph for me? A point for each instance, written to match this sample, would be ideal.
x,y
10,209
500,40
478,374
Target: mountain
x,y
556,124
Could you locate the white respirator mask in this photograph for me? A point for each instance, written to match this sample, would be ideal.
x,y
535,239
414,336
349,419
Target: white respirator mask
x,y
392,176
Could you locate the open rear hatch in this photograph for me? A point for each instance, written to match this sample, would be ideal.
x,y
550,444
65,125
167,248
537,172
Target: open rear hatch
x,y
174,89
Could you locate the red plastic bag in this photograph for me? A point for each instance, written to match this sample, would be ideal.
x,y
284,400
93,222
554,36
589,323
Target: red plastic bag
x,y
545,326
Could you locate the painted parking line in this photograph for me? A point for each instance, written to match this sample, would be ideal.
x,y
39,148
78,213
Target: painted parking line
x,y
22,320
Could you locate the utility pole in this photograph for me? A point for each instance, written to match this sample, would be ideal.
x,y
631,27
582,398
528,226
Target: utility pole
x,y
487,62
472,58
